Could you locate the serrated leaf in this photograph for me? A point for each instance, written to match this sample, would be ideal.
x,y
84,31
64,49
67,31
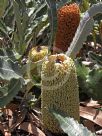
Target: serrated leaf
x,y
4,30
9,54
38,12
94,80
10,91
18,18
3,26
3,4
52,13
71,127
41,9
24,16
95,58
37,25
9,69
20,46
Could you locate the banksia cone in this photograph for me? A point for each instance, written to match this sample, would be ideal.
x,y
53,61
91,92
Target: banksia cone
x,y
68,21
59,90
38,53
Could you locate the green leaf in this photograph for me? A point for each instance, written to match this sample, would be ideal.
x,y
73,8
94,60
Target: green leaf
x,y
3,26
10,91
9,54
71,127
24,16
82,73
4,30
52,12
18,18
3,4
37,25
38,12
94,80
95,58
84,5
9,69
28,83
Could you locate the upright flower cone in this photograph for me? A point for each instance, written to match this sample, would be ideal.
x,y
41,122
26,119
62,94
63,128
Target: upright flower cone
x,y
68,21
38,53
36,57
59,90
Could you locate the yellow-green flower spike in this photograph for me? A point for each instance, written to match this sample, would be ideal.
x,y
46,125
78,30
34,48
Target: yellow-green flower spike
x,y
36,56
38,53
59,90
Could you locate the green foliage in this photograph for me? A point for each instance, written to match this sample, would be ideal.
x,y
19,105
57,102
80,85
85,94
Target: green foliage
x,y
8,53
3,5
71,127
9,91
94,80
82,73
84,5
29,21
52,12
11,76
96,58
90,81
28,18
9,69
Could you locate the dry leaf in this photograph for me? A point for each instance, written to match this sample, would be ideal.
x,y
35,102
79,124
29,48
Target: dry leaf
x,y
90,103
12,106
8,112
89,124
35,120
1,128
19,119
91,114
30,128
4,129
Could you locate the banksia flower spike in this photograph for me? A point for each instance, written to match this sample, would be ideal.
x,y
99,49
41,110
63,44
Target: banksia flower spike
x,y
36,56
68,21
59,90
38,53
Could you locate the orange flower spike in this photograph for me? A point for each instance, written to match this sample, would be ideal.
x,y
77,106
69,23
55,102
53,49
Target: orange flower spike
x,y
68,21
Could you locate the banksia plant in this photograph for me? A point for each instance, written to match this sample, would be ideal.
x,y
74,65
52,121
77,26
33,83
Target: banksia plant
x,y
68,21
36,57
59,90
38,53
